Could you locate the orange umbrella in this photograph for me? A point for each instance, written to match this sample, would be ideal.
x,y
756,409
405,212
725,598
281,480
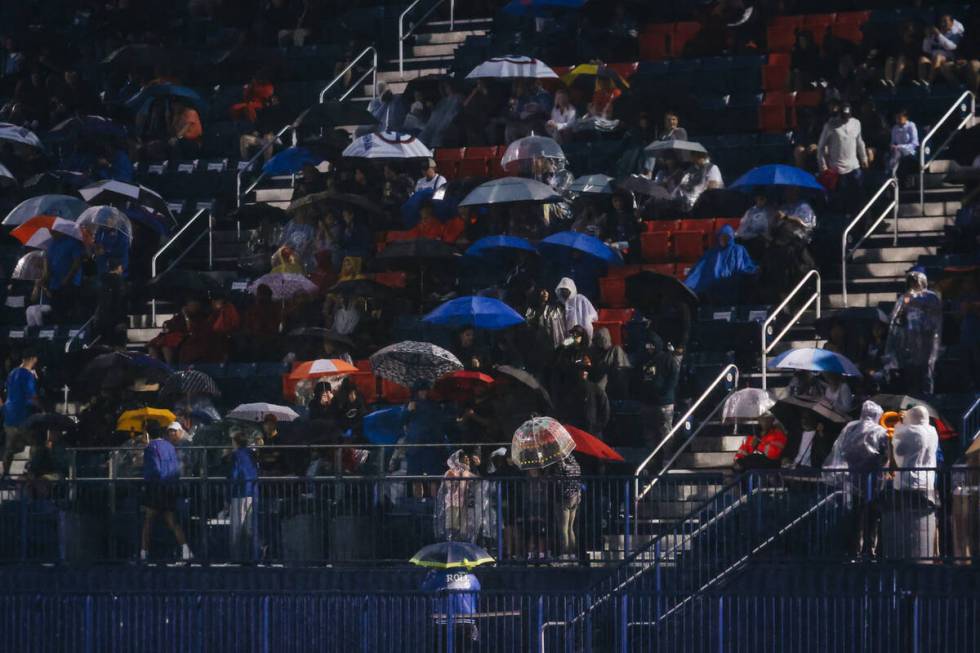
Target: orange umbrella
x,y
36,232
320,368
590,445
462,385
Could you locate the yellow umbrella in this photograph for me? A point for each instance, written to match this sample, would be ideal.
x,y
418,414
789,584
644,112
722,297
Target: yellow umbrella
x,y
593,72
135,420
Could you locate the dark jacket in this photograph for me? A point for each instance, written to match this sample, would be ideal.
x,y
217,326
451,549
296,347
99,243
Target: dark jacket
x,y
657,374
585,405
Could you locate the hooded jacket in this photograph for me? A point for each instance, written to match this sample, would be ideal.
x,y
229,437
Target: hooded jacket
x,y
915,327
657,373
717,272
862,444
914,445
578,309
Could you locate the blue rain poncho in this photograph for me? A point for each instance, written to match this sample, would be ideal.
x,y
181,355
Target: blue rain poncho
x,y
719,272
465,588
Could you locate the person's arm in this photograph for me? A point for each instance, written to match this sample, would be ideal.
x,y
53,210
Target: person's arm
x,y
821,148
945,43
862,152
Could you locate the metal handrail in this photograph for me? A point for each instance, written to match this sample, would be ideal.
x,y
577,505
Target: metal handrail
x,y
153,261
971,424
730,375
766,326
239,193
402,34
923,164
892,207
78,334
373,70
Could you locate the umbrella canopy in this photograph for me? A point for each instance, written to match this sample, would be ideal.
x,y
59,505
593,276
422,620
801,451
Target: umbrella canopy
x,y
475,311
60,206
85,127
316,201
647,289
36,232
790,412
491,244
189,382
525,379
95,218
598,184
144,217
333,114
680,148
387,145
141,101
385,426
539,442
177,284
121,193
409,363
811,359
527,149
590,445
643,186
721,203
777,175
114,369
361,288
462,386
565,241
415,251
30,267
541,7
451,555
510,190
290,161
512,66
135,421
283,285
20,137
588,73
746,404
53,421
320,368
57,182
258,411
255,214
6,177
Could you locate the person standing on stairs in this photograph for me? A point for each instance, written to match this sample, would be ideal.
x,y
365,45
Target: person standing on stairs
x,y
842,156
914,334
22,395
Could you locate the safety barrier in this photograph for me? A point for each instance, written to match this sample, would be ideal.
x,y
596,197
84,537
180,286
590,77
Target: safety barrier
x,y
768,344
965,104
891,208
402,34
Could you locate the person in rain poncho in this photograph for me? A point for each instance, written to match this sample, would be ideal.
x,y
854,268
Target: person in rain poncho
x,y
579,311
914,446
721,271
914,333
455,518
463,597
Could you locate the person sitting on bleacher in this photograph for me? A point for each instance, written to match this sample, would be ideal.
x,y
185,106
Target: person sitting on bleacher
x,y
702,175
797,214
753,229
939,47
721,272
764,451
166,345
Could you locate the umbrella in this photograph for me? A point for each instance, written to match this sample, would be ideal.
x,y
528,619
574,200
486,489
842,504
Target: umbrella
x,y
747,404
86,126
721,203
643,186
387,145
491,244
904,402
408,363
590,445
20,137
589,73
121,193
36,232
682,148
812,359
320,368
527,149
180,283
475,311
789,412
290,161
526,379
57,182
30,267
509,190
53,421
136,420
539,442
512,66
777,175
385,426
565,241
141,101
416,251
330,198
451,555
95,218
254,214
115,368
597,184
361,288
6,177
155,222
461,386
257,412
189,382
647,288
60,206
334,113
284,284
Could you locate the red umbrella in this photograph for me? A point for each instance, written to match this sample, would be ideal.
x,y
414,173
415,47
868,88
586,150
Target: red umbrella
x,y
461,386
590,445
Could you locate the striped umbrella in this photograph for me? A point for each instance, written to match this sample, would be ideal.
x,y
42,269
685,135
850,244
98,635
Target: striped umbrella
x,y
387,145
36,232
409,363
283,284
189,382
6,177
121,193
512,66
322,367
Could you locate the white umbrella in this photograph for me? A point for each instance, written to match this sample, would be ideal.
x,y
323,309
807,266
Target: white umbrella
x,y
105,217
387,145
681,148
257,412
112,191
60,206
512,66
529,148
37,231
7,177
748,403
30,267
509,190
19,135
597,184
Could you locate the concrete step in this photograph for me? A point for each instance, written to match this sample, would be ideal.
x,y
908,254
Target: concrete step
x,y
274,196
858,298
435,67
895,270
444,50
705,459
142,336
146,321
916,225
888,254
914,209
455,37
715,443
459,24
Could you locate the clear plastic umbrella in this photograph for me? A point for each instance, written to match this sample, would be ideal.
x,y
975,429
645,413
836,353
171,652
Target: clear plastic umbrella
x,y
105,217
523,151
30,267
747,404
539,442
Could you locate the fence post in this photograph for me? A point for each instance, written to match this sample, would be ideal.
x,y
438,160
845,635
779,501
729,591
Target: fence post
x,y
265,624
89,634
24,522
500,521
627,522
624,624
721,624
915,624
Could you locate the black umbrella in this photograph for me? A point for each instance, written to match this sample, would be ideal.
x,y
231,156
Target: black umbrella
x,y
329,198
362,288
790,412
189,382
52,421
409,362
643,186
721,203
862,316
254,214
524,378
178,284
116,368
646,288
331,114
904,402
55,182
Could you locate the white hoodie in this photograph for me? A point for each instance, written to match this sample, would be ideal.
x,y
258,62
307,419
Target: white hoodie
x,y
914,445
578,309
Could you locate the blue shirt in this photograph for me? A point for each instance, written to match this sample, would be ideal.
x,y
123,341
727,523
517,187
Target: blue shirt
x,y
21,390
244,473
115,245
61,254
160,461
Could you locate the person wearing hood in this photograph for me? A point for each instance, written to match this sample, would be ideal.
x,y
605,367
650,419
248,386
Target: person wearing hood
x,y
579,311
909,520
547,318
582,403
722,270
914,333
657,373
610,365
914,447
454,514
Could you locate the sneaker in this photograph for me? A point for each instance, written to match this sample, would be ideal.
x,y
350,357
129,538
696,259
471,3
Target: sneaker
x,y
144,555
185,553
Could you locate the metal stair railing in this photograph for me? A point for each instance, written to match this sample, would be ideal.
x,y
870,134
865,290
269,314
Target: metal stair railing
x,y
971,424
209,232
966,103
402,34
372,71
891,208
239,193
768,345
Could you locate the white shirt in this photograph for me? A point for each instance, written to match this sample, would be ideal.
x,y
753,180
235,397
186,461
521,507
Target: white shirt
x,y
563,117
435,183
944,43
841,146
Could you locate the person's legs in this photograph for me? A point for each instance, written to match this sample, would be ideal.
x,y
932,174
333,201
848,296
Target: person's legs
x,y
148,515
17,439
171,522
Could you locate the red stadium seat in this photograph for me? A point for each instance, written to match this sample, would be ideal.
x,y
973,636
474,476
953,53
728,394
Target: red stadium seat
x,y
473,168
444,154
683,32
808,99
721,222
655,246
853,17
483,152
367,383
651,226
775,77
623,270
687,246
615,330
704,226
653,42
669,269
612,291
777,112
779,59
782,36
622,315
449,169
393,393
848,32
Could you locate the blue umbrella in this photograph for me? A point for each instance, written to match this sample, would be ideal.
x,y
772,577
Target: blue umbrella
x,y
811,359
77,126
443,209
141,101
777,175
290,161
385,426
490,244
541,7
153,221
563,241
474,311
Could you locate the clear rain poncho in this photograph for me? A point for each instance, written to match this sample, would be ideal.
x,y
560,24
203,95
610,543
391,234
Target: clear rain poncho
x,y
862,445
462,505
915,444
915,327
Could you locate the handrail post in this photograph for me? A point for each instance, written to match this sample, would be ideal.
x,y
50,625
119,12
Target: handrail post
x,y
767,346
893,209
923,164
968,430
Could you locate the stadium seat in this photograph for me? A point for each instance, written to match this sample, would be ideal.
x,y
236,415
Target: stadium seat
x,y
781,34
622,315
687,246
615,330
653,42
367,384
853,17
721,222
483,152
393,393
612,292
777,113
669,269
473,168
444,154
704,226
848,32
651,226
682,33
655,246
449,169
